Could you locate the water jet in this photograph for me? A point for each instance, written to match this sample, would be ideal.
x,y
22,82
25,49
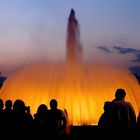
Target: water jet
x,y
80,88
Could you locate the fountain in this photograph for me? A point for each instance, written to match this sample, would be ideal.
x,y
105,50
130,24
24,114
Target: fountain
x,y
80,88
74,49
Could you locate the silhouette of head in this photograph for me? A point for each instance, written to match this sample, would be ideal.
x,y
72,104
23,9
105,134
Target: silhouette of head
x,y
120,94
1,104
42,109
8,104
53,104
19,106
108,106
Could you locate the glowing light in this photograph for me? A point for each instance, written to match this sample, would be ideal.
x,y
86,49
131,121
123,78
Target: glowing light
x,y
80,88
82,92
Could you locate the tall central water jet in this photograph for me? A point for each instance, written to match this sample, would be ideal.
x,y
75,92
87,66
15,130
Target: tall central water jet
x,y
74,49
80,88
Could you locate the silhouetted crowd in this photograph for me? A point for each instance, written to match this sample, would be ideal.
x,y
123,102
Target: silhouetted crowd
x,y
16,116
118,114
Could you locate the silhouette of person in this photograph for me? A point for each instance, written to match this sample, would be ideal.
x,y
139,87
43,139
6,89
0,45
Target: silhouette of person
x,y
138,121
8,113
40,117
22,119
56,120
1,105
124,111
106,120
1,113
8,105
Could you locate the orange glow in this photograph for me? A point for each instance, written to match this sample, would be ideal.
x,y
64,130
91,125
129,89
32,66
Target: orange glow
x,y
80,89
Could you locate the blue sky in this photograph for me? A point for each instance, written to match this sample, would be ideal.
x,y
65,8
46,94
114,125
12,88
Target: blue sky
x,y
32,30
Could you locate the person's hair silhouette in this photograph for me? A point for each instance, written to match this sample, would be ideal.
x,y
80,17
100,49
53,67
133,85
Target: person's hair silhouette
x,y
53,104
120,94
8,104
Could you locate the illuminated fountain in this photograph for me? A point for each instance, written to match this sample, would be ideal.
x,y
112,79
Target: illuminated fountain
x,y
80,88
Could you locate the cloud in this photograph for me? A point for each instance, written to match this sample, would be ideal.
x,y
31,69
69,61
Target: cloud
x,y
135,52
137,58
122,50
2,79
136,71
103,48
134,68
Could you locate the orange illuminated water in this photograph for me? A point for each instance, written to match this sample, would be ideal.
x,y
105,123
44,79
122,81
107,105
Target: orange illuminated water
x,y
80,88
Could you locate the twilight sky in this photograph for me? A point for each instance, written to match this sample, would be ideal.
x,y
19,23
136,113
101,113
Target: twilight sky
x,y
35,30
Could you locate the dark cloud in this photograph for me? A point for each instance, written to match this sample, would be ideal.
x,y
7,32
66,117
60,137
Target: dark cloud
x,y
137,58
136,71
122,50
2,79
135,52
103,48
